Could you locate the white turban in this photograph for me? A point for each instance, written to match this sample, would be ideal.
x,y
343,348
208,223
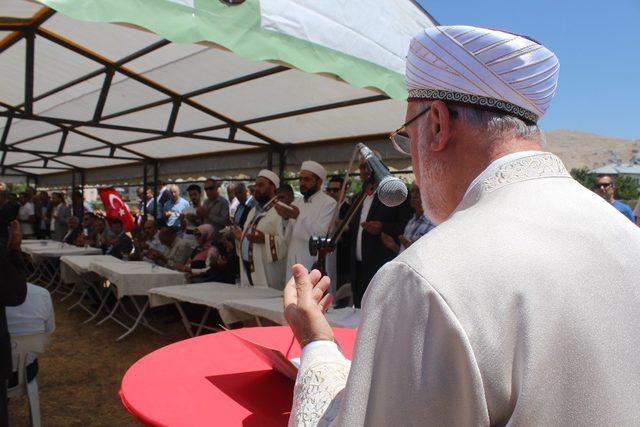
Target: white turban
x,y
315,168
488,68
266,173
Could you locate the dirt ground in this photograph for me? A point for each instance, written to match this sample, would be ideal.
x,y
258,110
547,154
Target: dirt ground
x,y
80,374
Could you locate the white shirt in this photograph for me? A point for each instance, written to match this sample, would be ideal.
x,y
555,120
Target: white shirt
x,y
364,213
24,213
34,315
54,213
233,206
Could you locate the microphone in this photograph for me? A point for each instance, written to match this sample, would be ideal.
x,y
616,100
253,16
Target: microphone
x,y
391,190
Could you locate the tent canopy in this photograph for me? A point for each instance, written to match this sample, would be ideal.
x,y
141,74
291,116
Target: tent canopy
x,y
194,78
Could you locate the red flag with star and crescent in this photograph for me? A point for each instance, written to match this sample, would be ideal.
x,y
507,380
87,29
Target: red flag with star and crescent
x,y
115,207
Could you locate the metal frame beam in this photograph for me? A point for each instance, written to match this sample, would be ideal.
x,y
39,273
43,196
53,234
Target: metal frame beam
x,y
55,38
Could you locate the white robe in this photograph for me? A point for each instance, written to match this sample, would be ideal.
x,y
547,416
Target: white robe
x,y
270,257
523,308
314,220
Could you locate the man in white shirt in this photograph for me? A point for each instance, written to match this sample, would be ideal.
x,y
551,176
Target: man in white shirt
x,y
189,217
27,216
309,216
35,315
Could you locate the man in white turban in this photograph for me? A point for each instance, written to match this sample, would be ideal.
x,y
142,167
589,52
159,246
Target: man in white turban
x,y
261,245
309,216
522,307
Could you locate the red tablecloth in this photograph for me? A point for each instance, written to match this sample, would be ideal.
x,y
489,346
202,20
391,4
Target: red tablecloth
x,y
215,380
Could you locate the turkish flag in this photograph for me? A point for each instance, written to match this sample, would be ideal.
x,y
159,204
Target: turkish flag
x,y
115,207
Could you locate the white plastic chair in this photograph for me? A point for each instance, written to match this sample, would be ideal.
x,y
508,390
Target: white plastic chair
x,y
22,346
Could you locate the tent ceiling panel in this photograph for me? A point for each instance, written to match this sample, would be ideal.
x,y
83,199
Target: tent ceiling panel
x,y
111,41
12,67
37,163
55,66
48,143
162,57
379,117
190,118
129,93
205,68
89,88
153,118
13,157
122,153
279,93
173,147
18,8
81,108
76,142
240,135
91,162
22,129
47,171
114,136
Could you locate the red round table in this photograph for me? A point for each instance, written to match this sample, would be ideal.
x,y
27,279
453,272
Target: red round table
x,y
215,379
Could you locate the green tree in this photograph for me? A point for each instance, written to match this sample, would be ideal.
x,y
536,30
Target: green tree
x,y
584,176
626,188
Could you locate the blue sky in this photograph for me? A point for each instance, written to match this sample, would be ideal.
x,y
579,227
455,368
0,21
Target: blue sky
x,y
597,42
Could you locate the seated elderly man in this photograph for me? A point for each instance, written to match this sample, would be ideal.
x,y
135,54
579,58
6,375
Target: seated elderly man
x,y
74,230
34,315
119,244
179,250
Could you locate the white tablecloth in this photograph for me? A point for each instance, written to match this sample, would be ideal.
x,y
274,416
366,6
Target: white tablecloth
x,y
136,277
31,242
214,295
273,310
56,250
73,266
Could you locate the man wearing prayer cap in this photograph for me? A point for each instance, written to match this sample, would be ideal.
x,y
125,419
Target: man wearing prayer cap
x,y
261,245
309,216
522,307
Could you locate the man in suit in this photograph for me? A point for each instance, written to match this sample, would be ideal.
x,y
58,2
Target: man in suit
x,y
368,252
121,244
13,291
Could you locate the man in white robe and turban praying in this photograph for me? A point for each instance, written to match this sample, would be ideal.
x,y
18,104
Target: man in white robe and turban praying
x,y
522,307
309,216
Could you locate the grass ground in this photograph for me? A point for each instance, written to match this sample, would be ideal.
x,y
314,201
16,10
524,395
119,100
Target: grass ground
x,y
80,373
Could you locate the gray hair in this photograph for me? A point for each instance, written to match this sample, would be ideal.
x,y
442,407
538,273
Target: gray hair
x,y
497,125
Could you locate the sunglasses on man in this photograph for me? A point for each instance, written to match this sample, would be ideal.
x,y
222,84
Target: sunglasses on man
x,y
602,186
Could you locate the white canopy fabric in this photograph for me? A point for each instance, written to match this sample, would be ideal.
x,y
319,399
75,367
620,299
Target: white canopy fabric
x,y
99,94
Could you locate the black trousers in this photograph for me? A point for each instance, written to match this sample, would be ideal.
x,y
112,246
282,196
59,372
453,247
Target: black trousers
x,y
4,412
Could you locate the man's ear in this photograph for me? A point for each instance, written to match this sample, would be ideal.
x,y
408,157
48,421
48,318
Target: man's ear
x,y
440,125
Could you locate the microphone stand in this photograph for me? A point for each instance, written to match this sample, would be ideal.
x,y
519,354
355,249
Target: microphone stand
x,y
324,245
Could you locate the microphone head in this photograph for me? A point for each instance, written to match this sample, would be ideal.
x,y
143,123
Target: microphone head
x,y
392,191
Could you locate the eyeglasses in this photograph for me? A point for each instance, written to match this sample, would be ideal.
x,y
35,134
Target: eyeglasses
x,y
399,137
603,185
333,190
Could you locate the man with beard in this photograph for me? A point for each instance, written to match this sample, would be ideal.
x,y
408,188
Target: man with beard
x,y
309,216
522,306
261,245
